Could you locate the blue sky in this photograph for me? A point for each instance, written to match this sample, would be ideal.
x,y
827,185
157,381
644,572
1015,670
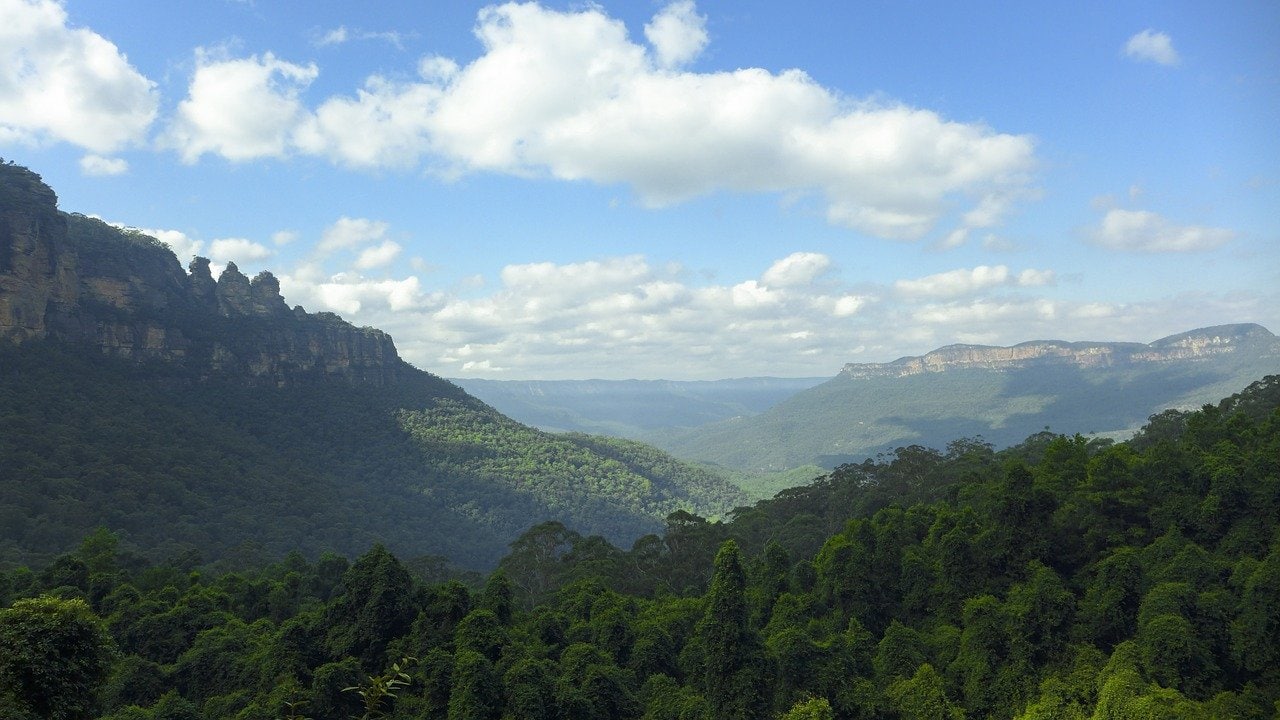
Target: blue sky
x,y
679,190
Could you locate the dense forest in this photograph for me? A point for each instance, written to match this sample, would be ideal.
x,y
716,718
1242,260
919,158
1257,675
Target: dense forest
x,y
177,464
1060,578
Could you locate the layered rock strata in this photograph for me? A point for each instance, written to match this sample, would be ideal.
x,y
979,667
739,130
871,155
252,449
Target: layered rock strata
x,y
78,280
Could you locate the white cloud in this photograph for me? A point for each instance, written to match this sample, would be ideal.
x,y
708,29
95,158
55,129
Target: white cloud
x,y
98,166
1035,278
677,33
341,35
1144,231
628,316
352,232
796,269
238,250
569,95
986,312
378,256
67,84
284,237
1151,46
956,283
241,109
336,36
357,297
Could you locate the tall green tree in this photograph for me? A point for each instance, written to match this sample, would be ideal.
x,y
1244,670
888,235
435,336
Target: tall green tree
x,y
730,651
55,655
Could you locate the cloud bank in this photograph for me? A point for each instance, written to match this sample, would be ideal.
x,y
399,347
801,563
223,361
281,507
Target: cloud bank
x,y
569,95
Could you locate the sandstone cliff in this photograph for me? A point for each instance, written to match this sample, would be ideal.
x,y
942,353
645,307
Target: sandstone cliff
x,y
75,279
1201,344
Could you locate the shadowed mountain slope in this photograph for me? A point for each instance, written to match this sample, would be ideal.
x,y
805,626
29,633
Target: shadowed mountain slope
x,y
190,414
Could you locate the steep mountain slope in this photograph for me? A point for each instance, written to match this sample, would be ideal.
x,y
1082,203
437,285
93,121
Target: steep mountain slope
x,y
1002,394
190,414
630,408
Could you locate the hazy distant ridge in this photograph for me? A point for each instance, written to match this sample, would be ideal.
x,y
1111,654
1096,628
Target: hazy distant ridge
x,y
1200,344
1002,394
630,408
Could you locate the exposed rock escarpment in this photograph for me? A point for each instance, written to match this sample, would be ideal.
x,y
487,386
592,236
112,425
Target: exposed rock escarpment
x,y
1201,344
78,280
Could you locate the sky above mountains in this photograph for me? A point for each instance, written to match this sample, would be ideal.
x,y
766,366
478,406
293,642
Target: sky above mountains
x,y
681,190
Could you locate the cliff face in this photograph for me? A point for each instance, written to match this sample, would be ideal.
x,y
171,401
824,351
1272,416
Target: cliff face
x,y
1202,344
78,280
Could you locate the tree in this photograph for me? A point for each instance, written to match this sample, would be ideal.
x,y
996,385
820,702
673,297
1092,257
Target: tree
x,y
477,689
481,631
498,597
530,689
1256,630
900,652
730,653
376,608
54,656
810,709
922,697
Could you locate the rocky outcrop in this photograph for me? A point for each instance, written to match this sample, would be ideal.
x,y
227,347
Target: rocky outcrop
x,y
76,279
1202,344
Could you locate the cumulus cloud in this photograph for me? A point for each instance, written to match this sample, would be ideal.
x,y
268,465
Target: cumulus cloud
x,y
956,283
629,316
571,96
1151,46
1144,231
796,269
378,256
238,250
677,33
348,233
241,109
67,84
98,166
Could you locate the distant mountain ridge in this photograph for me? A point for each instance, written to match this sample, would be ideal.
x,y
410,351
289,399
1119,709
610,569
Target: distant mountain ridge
x,y
631,408
1002,394
1200,344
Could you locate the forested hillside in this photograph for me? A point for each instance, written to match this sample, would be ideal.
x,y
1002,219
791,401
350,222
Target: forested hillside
x,y
1060,578
203,416
221,467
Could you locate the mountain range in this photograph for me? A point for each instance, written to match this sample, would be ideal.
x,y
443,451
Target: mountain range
x,y
198,416
770,433
1000,394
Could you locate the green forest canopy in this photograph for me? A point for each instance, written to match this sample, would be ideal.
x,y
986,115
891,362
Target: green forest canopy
x,y
1061,578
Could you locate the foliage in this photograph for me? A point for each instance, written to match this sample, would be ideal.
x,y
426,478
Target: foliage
x,y
1026,583
177,463
54,656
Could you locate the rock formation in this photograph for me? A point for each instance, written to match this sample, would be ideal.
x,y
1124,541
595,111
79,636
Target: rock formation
x,y
78,280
